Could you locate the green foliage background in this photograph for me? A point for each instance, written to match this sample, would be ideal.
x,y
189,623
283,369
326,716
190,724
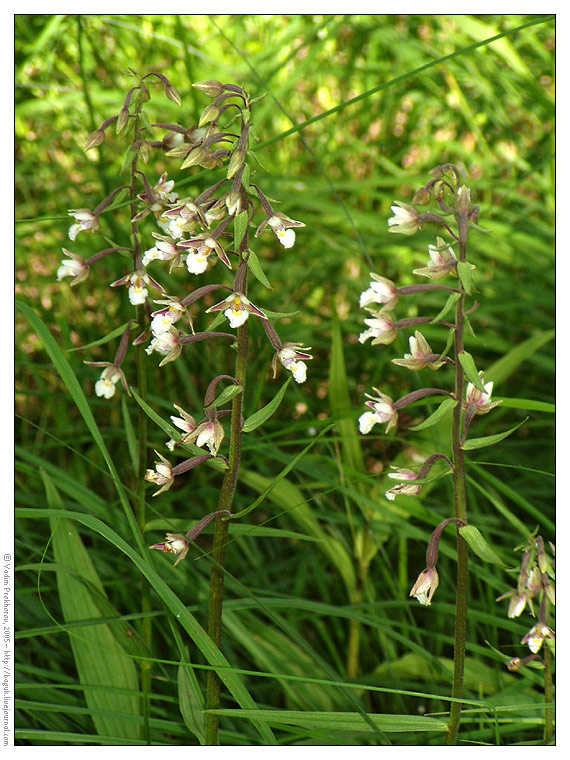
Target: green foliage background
x,y
359,108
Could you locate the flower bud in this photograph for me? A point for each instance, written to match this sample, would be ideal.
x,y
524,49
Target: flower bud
x,y
210,113
236,162
210,87
464,200
172,94
422,197
94,140
122,119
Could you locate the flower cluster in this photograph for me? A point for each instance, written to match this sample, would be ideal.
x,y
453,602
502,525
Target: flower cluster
x,y
193,233
535,583
382,297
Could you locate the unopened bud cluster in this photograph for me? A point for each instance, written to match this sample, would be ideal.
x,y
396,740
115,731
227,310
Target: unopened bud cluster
x,y
535,584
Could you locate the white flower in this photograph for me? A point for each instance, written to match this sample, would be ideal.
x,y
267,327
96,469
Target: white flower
x,y
137,291
425,586
105,386
383,410
420,356
74,266
535,637
381,290
381,328
403,489
405,219
162,476
86,220
163,342
442,261
481,400
151,255
281,226
291,356
197,260
175,543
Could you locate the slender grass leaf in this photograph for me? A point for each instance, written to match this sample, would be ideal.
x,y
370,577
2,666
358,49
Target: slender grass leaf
x,y
132,441
291,500
66,373
191,701
238,529
262,415
118,331
176,606
341,407
165,426
338,721
506,365
489,440
479,546
99,658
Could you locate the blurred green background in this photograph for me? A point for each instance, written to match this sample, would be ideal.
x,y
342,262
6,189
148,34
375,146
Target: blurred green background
x,y
358,109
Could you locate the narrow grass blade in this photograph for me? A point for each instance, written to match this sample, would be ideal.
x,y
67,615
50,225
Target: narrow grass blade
x,y
178,608
99,658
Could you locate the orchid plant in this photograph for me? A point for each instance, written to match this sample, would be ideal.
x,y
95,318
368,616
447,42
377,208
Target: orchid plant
x,y
193,234
469,397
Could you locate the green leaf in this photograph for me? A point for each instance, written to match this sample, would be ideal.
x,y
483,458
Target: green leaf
x,y
465,270
105,339
61,364
338,721
489,440
226,395
177,607
529,405
180,525
99,658
167,427
466,361
191,701
262,415
449,304
478,545
257,271
445,406
132,440
507,364
240,227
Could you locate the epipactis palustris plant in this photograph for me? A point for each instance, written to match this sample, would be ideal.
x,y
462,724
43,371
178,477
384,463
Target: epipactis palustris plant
x,y
469,397
192,234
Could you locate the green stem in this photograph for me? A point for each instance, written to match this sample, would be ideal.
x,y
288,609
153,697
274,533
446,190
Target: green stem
x,y
221,531
460,502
